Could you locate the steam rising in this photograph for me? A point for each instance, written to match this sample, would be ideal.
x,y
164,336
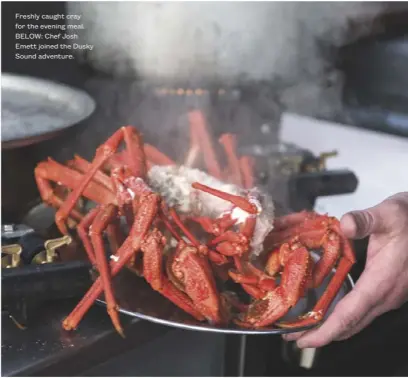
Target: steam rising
x,y
225,42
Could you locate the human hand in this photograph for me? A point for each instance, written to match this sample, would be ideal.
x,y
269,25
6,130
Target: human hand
x,y
383,285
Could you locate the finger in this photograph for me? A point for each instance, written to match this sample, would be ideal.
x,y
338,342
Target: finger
x,y
363,323
346,315
359,224
377,219
376,311
293,336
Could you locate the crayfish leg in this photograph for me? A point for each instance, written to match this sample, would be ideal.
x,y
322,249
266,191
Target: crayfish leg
x,y
195,273
147,209
278,302
152,248
200,138
328,259
136,161
322,305
180,299
102,220
83,229
247,164
51,171
229,143
266,311
157,157
82,165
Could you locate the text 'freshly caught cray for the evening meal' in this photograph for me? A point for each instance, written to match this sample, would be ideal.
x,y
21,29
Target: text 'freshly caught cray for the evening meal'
x,y
194,230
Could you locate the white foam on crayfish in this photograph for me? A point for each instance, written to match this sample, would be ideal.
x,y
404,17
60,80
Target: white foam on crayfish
x,y
174,183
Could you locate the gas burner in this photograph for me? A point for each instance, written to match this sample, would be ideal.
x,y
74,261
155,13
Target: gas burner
x,y
36,269
23,246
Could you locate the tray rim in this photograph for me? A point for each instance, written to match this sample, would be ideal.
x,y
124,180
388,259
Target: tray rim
x,y
205,327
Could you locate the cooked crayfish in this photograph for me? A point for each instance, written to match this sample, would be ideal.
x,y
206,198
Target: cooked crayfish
x,y
155,196
293,236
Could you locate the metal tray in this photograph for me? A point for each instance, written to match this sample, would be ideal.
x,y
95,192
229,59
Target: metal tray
x,y
137,299
36,109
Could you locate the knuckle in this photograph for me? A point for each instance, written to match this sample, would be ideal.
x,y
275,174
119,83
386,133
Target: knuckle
x,y
368,294
395,301
376,294
348,321
390,303
395,210
397,207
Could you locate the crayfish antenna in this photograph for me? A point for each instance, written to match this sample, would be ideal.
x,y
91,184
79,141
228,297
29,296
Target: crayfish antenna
x,y
238,201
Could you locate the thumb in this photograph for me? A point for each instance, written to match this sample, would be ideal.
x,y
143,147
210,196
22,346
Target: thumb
x,y
359,224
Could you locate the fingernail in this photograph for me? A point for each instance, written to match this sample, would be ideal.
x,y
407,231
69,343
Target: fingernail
x,y
363,223
360,223
349,225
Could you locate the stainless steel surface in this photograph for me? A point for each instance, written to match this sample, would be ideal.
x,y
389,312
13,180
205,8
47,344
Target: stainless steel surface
x,y
23,349
35,109
137,299
241,355
44,348
178,353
